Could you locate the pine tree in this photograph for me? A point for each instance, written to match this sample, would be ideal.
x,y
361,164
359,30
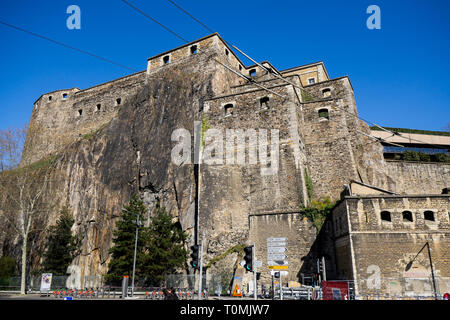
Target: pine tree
x,y
62,246
165,247
122,251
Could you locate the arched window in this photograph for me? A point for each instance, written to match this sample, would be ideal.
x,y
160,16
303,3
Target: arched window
x,y
49,98
118,101
326,92
264,103
386,216
80,112
226,51
166,59
407,216
99,106
323,114
193,49
228,109
428,215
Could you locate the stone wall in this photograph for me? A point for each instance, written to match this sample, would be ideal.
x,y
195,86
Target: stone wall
x,y
370,244
417,177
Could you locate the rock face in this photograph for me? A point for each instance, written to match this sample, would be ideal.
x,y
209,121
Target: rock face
x,y
116,139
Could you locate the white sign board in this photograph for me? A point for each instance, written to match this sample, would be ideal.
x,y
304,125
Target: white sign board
x,y
277,263
276,240
46,281
276,249
276,256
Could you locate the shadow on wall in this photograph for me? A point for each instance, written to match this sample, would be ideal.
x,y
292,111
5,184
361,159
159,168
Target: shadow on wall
x,y
323,246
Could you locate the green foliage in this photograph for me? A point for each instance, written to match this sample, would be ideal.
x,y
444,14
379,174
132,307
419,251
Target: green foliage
x,y
122,252
205,127
424,157
318,210
62,246
237,248
165,249
437,133
7,267
306,96
309,185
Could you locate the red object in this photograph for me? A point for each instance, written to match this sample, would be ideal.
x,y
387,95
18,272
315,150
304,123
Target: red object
x,y
446,296
335,290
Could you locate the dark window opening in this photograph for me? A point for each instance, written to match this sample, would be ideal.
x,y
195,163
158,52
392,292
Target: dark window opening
x,y
311,81
166,59
407,216
240,67
323,113
264,103
386,216
226,52
228,109
326,92
99,106
64,95
428,215
194,49
252,72
118,101
49,98
80,112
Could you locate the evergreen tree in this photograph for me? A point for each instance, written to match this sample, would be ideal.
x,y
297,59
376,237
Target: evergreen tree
x,y
165,247
122,251
62,246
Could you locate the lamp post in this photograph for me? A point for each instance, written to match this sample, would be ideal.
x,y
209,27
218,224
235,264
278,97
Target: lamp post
x,y
138,222
409,265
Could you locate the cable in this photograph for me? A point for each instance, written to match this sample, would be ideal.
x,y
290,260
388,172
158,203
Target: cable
x,y
190,15
147,16
66,45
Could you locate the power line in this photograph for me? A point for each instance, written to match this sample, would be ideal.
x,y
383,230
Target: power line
x,y
190,15
154,20
66,45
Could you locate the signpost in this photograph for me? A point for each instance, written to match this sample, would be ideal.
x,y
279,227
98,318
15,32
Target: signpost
x,y
46,282
277,259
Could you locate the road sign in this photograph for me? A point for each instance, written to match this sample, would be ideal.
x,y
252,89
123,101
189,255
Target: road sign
x,y
276,240
278,267
277,263
276,256
276,249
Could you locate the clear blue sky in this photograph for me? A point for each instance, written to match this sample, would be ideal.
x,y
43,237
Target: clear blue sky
x,y
399,73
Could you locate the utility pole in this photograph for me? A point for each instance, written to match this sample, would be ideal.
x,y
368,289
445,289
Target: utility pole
x,y
201,269
255,287
135,249
324,270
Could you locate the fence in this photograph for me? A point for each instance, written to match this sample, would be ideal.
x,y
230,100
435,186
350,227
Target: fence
x,y
403,288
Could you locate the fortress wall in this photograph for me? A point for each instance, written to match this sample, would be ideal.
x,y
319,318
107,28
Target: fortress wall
x,y
417,177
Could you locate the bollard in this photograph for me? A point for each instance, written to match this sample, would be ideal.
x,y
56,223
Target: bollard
x,y
124,287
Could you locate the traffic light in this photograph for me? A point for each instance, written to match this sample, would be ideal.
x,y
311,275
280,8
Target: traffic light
x,y
194,256
248,257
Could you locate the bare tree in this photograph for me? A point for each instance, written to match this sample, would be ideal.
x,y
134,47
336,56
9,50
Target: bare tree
x,y
12,141
24,202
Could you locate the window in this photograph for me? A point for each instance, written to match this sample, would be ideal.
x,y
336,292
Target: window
x,y
407,216
264,103
226,52
326,92
166,59
252,72
118,101
228,109
194,49
99,106
428,215
311,80
49,98
64,95
323,114
80,112
240,67
386,216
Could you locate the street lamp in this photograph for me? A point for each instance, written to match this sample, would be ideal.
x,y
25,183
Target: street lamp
x,y
137,222
409,265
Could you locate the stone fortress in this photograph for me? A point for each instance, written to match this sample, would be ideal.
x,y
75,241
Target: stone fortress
x,y
114,139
